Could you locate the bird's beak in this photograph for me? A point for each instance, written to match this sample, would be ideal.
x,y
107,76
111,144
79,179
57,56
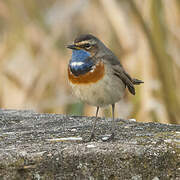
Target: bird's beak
x,y
73,46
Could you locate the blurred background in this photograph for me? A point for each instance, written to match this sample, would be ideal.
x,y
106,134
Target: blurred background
x,y
145,35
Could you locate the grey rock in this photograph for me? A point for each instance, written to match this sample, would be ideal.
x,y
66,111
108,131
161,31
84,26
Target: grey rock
x,y
50,146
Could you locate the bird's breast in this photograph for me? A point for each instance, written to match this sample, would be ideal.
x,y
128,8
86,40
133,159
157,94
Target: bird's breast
x,y
93,75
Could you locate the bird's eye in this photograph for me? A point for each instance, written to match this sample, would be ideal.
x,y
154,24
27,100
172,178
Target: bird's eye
x,y
87,46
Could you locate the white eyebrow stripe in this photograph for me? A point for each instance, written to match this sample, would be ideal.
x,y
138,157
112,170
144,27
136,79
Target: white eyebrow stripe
x,y
77,63
82,42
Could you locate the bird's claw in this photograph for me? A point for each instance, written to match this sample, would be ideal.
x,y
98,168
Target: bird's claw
x,y
92,136
108,138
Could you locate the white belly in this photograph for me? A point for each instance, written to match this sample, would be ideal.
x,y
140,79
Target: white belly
x,y
108,90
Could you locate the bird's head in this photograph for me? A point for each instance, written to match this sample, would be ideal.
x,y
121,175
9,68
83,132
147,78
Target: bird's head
x,y
86,42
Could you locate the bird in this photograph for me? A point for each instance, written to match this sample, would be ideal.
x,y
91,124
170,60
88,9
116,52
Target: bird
x,y
97,77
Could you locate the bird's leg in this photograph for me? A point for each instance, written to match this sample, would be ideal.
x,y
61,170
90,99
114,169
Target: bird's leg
x,y
113,122
94,125
111,137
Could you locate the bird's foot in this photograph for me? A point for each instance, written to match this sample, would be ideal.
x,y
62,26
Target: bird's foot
x,y
108,138
91,138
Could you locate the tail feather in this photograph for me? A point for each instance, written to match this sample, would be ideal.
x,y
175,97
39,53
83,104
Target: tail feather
x,y
137,81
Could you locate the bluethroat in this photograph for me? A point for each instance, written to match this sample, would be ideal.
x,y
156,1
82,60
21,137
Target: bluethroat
x,y
97,76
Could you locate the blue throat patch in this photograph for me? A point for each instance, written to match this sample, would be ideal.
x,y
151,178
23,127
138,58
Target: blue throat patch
x,y
80,62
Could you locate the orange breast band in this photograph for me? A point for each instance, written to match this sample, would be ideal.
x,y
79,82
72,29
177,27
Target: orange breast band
x,y
90,77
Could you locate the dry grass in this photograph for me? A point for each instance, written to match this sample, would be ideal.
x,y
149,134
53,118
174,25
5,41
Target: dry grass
x,y
145,35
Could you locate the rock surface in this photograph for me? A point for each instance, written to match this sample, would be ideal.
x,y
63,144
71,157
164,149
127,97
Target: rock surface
x,y
50,146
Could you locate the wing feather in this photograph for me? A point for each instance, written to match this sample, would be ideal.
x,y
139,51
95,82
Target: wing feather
x,y
124,76
119,71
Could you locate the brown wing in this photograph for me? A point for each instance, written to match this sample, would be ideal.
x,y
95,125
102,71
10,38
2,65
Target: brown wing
x,y
125,77
119,71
